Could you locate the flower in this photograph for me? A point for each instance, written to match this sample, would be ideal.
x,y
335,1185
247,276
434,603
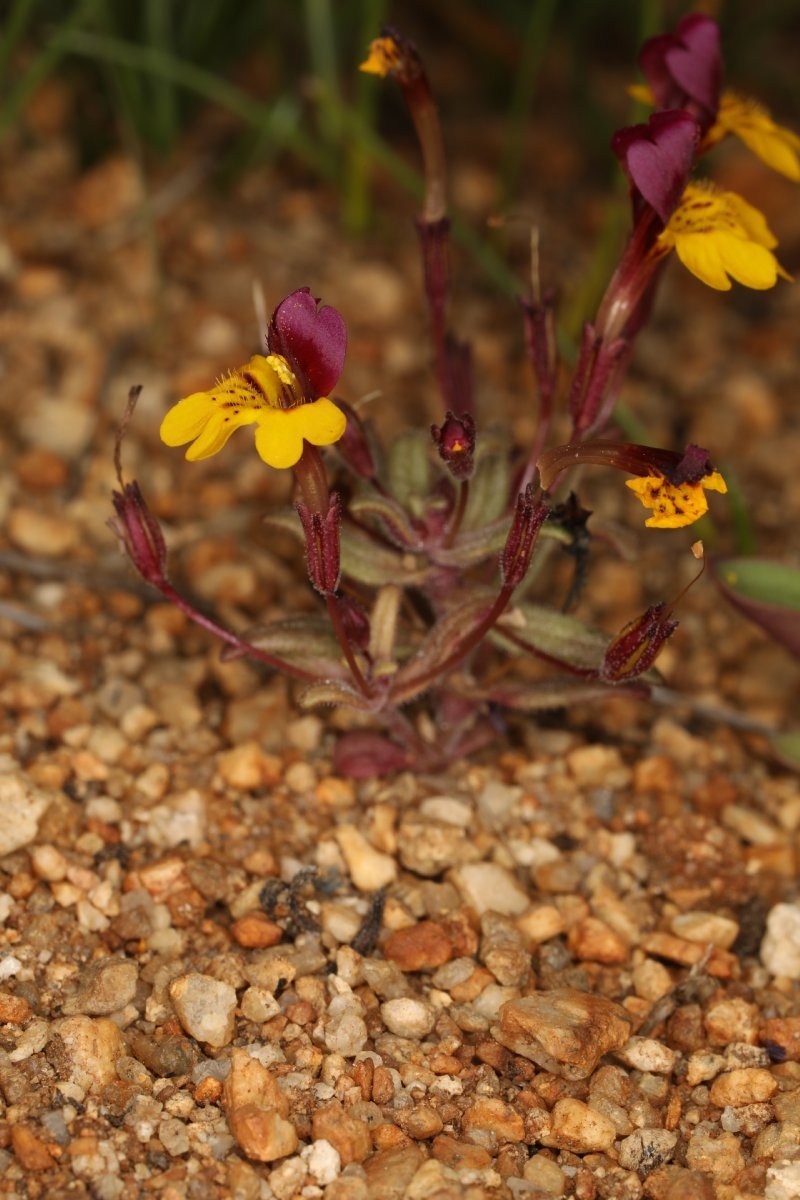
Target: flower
x,y
284,393
384,58
684,68
455,442
675,505
718,235
779,148
657,157
673,485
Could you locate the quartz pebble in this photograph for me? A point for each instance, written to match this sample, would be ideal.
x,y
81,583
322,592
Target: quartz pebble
x,y
646,1054
706,928
751,1085
564,1031
92,1047
578,1128
257,1110
490,887
780,948
22,806
205,1007
647,1148
408,1017
369,868
105,987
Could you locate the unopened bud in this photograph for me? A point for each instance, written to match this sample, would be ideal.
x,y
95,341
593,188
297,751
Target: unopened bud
x,y
634,650
139,533
528,517
455,442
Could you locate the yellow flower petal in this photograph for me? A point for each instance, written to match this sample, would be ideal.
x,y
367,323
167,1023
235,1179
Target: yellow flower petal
x,y
384,57
718,236
776,146
186,420
281,432
675,505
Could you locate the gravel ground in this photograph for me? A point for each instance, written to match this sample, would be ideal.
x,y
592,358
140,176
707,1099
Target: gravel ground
x,y
567,968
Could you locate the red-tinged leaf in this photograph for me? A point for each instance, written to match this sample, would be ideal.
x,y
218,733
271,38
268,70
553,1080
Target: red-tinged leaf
x,y
363,754
768,593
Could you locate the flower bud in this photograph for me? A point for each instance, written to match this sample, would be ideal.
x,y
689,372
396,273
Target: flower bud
x,y
634,650
455,442
139,533
528,517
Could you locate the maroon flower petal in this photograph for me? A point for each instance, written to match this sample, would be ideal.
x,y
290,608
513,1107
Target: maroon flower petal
x,y
312,340
658,157
685,65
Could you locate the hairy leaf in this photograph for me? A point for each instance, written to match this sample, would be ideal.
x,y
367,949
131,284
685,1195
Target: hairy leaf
x,y
766,592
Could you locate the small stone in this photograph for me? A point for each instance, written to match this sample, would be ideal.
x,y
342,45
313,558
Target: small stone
x,y
495,1116
541,923
345,1030
350,1136
430,847
14,1010
173,1136
163,1053
246,767
678,1183
734,1020
369,869
420,947
461,1156
40,533
259,1004
706,928
408,1017
487,886
780,948
598,766
646,1054
447,809
205,1008
286,1181
578,1128
496,803
30,1150
647,1149
420,1122
545,1175
257,1110
255,931
783,1181
322,1161
48,863
748,1085
390,1171
22,806
564,1031
783,1032
714,1152
702,1066
591,940
104,987
91,1048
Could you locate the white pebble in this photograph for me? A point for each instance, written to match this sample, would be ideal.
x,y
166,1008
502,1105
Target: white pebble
x,y
780,949
408,1017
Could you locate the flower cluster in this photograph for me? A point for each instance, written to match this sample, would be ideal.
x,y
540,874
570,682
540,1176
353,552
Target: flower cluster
x,y
421,551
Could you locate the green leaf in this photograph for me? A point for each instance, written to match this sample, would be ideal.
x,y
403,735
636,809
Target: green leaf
x,y
555,634
409,467
306,641
392,519
365,560
560,693
488,491
332,692
766,592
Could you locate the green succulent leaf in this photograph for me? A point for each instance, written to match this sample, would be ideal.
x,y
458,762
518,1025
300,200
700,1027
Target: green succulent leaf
x,y
443,638
410,469
332,692
305,641
388,514
489,487
560,693
766,592
555,634
366,561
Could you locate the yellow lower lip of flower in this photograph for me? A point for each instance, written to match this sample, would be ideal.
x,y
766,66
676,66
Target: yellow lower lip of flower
x,y
718,236
675,505
383,58
265,393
